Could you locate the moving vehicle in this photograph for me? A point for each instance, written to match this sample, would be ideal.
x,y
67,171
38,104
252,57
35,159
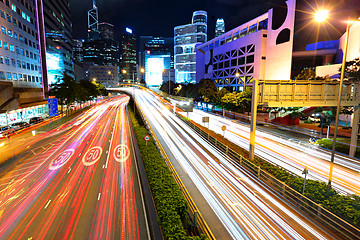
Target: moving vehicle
x,y
316,117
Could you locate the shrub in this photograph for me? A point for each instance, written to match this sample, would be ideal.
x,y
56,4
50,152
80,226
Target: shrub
x,y
170,204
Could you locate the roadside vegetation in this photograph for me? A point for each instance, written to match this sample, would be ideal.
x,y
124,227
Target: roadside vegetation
x,y
346,207
171,205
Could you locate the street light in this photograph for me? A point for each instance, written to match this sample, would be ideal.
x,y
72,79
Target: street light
x,y
321,16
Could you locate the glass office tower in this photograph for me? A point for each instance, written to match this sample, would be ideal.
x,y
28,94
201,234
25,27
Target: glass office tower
x,y
186,37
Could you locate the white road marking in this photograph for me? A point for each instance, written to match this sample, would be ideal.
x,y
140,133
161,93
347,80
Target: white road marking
x,y
47,204
69,170
99,196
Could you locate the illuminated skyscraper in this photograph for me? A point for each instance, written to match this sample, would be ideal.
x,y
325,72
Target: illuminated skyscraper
x,y
106,30
57,19
128,54
186,37
219,27
156,54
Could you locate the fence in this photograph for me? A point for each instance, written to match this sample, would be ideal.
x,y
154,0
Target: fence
x,y
194,211
310,207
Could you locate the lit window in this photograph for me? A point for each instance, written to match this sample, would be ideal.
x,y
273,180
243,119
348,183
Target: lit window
x,y
7,61
12,48
8,17
16,36
18,63
13,62
2,75
8,76
21,38
14,21
23,15
22,51
0,44
25,77
14,76
6,46
1,59
2,14
20,77
3,29
13,7
10,33
27,18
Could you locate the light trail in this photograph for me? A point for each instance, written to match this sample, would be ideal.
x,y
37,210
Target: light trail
x,y
245,207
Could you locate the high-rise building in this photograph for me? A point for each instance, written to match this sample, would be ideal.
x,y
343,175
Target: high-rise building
x,y
106,31
19,54
57,20
21,85
128,55
93,23
219,27
101,52
186,37
78,50
106,75
156,54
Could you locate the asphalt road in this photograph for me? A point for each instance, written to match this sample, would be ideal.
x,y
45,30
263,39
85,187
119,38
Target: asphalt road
x,y
78,181
237,205
288,152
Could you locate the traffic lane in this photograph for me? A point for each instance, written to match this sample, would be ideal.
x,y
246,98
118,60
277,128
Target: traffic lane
x,y
345,179
35,136
221,186
45,170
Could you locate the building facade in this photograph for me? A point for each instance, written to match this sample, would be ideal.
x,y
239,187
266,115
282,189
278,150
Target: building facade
x,y
260,48
106,30
108,76
156,55
186,37
19,53
219,27
128,55
59,45
102,52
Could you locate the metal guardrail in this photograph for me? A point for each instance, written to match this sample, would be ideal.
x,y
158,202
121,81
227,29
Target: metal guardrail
x,y
305,204
200,221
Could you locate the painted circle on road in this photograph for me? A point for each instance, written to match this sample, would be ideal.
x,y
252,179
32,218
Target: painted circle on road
x,y
92,156
121,153
61,159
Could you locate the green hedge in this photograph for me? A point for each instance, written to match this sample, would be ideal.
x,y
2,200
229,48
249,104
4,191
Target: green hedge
x,y
339,147
170,204
346,207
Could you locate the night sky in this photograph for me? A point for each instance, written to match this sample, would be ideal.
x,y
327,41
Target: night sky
x,y
159,17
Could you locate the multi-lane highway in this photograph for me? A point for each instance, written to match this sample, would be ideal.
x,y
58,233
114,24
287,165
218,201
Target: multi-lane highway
x,y
79,181
288,153
243,205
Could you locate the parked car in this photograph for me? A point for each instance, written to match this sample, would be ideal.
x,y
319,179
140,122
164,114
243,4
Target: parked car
x,y
304,118
5,131
20,125
35,120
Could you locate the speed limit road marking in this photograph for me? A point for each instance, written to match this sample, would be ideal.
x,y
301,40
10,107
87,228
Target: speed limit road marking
x,y
61,159
121,153
92,156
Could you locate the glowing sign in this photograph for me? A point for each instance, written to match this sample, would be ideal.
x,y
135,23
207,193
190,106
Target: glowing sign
x,y
128,30
155,67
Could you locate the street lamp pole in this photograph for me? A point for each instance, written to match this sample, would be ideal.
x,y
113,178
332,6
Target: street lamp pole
x,y
338,103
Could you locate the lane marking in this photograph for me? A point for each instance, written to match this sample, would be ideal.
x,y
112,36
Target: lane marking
x,y
33,152
99,196
47,204
69,170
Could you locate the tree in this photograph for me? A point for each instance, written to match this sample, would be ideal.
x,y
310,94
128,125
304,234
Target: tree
x,y
165,87
306,74
352,70
238,101
218,95
207,89
347,111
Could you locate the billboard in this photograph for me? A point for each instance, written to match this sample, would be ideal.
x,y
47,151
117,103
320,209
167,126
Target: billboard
x,y
154,70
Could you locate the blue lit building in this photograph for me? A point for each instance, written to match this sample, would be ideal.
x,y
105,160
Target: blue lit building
x,y
186,37
156,54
